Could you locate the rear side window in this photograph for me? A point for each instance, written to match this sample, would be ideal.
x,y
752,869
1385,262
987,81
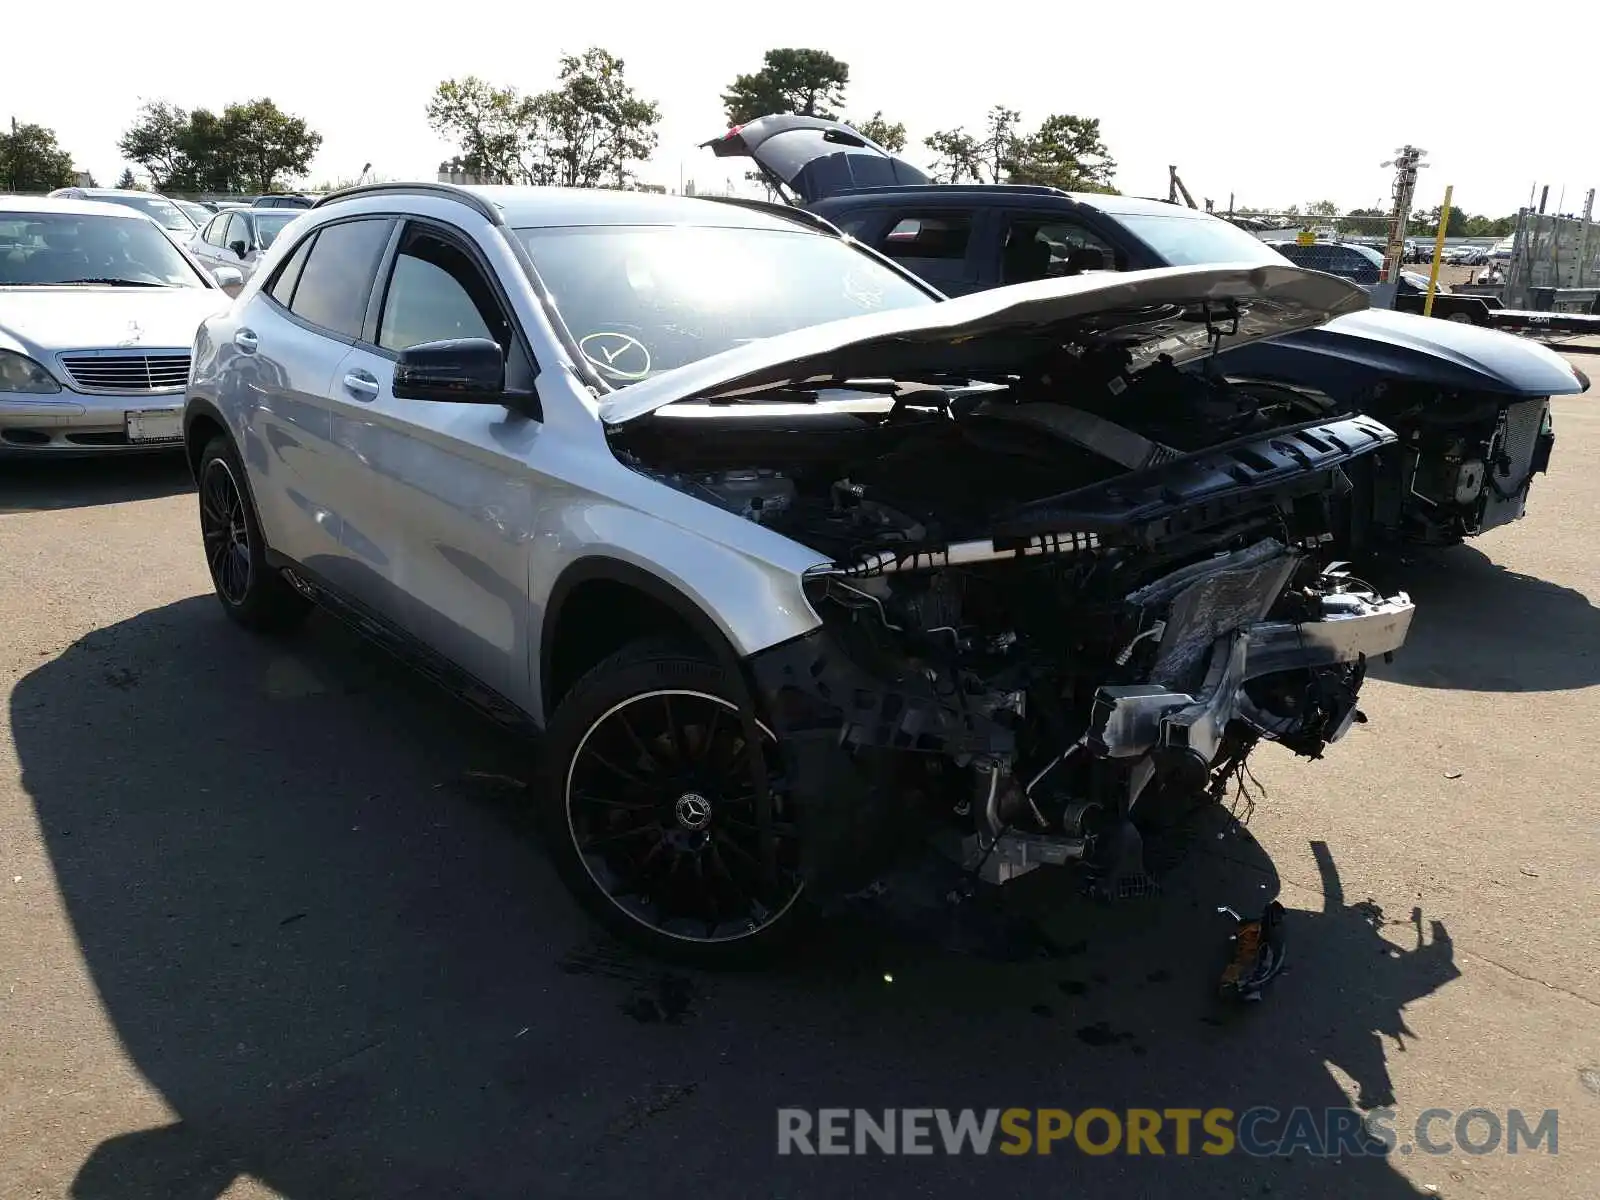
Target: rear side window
x,y
935,236
336,281
282,289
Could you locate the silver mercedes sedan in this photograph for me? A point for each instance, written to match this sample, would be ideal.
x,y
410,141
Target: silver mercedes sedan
x,y
98,310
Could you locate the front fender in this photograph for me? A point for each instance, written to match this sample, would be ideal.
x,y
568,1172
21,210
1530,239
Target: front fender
x,y
1348,356
754,601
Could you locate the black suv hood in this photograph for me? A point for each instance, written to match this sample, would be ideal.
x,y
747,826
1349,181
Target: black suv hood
x,y
1174,311
813,158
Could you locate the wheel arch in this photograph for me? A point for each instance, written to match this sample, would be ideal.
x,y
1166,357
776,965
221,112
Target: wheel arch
x,y
202,421
636,604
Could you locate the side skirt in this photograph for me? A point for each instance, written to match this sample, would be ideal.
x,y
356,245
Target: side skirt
x,y
462,685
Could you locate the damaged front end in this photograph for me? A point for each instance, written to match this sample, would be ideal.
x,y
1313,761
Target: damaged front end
x,y
1067,586
1027,707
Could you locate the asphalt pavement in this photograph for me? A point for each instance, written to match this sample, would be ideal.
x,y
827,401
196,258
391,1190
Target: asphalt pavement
x,y
273,922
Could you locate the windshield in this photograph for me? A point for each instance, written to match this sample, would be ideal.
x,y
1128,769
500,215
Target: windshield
x,y
1181,241
643,299
61,248
269,225
198,213
158,208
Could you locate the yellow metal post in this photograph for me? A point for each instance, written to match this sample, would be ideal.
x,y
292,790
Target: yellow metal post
x,y
1438,251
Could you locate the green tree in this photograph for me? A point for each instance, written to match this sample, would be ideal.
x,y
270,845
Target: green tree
x,y
982,159
594,126
588,130
957,158
792,80
891,135
266,146
126,181
30,160
1066,151
155,142
251,146
1426,222
497,129
209,161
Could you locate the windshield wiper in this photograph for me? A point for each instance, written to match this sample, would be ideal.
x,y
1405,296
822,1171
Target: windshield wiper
x,y
113,282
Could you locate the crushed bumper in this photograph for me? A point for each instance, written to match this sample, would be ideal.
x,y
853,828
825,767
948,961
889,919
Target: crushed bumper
x,y
1132,720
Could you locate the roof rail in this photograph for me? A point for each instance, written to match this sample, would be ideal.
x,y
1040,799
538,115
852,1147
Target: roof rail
x,y
448,191
1025,189
802,215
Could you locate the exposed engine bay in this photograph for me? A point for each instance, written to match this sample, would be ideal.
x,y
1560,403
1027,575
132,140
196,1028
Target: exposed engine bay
x,y
1049,628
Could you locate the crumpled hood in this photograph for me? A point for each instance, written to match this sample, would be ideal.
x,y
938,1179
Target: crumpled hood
x,y
1002,330
1379,344
42,321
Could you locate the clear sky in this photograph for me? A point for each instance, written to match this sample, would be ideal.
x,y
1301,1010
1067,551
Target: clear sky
x,y
1297,106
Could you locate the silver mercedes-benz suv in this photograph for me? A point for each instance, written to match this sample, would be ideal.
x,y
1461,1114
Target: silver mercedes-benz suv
x,y
792,563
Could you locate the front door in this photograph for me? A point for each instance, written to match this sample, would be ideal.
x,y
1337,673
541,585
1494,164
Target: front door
x,y
441,511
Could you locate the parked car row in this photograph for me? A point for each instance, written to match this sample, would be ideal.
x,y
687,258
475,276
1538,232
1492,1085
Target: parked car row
x,y
98,312
177,216
793,560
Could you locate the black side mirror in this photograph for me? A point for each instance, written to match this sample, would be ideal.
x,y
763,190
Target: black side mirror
x,y
238,248
459,370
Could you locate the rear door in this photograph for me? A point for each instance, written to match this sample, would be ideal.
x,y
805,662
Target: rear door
x,y
810,158
438,525
293,335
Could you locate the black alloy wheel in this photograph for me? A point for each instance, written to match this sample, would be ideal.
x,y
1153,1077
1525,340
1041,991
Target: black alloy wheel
x,y
659,800
251,592
225,532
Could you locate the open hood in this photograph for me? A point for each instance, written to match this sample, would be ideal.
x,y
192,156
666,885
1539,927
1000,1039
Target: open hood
x,y
1174,311
813,158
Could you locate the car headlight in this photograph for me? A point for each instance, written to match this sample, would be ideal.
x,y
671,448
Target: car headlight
x,y
19,373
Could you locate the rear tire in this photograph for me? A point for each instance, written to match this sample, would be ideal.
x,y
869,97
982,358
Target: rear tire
x,y
250,591
647,804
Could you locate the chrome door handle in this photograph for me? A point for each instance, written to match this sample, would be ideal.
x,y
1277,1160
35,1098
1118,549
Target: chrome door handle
x,y
361,385
245,340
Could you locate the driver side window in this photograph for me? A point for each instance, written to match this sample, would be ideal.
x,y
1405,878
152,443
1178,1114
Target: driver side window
x,y
436,293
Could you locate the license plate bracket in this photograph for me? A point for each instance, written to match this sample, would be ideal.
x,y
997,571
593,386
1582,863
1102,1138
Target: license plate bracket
x,y
154,425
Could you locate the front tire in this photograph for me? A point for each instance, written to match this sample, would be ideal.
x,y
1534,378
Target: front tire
x,y
250,591
648,806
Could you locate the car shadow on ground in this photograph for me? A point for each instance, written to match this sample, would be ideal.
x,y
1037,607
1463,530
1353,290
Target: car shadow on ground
x,y
1480,627
50,482
309,899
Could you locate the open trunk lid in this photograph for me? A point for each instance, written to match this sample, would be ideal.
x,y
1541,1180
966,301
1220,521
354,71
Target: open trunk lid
x,y
811,158
1179,312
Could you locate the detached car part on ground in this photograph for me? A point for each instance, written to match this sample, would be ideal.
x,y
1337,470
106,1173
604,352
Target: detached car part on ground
x,y
1470,406
997,575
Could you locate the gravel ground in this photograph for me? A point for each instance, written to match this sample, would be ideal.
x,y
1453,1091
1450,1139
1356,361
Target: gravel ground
x,y
272,923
